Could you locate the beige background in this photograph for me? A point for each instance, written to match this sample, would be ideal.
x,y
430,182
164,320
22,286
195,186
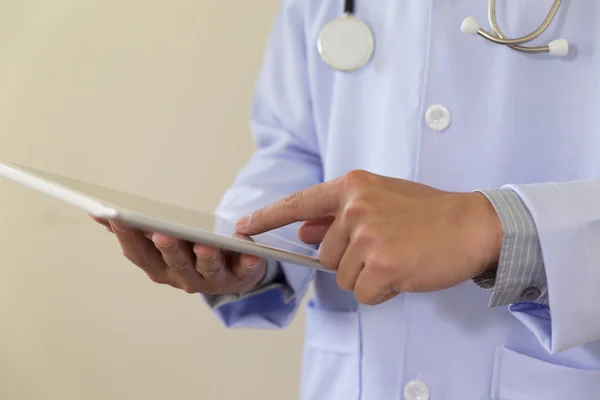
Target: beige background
x,y
146,96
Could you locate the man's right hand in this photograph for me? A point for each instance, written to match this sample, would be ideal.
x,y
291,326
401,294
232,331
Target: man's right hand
x,y
193,268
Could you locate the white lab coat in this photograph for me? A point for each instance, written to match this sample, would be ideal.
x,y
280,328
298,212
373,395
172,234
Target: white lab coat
x,y
527,121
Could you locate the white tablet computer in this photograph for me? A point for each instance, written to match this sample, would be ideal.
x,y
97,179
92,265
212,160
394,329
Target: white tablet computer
x,y
154,216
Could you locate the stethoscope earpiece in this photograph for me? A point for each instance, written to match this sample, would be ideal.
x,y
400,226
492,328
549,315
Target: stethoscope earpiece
x,y
556,48
470,26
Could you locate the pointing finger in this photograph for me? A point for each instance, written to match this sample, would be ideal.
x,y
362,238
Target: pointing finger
x,y
312,203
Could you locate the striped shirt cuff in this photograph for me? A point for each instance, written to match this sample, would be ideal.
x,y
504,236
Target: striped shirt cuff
x,y
520,275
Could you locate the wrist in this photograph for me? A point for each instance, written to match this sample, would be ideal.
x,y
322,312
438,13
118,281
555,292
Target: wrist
x,y
486,231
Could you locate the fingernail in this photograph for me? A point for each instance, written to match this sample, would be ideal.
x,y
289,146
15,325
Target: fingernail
x,y
243,222
252,263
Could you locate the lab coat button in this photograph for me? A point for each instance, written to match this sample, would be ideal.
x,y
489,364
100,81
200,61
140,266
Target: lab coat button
x,y
437,117
416,390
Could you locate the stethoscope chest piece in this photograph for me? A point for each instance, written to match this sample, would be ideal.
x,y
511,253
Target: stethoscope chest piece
x,y
346,43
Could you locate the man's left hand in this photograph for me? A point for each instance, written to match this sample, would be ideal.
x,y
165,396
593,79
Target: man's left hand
x,y
384,236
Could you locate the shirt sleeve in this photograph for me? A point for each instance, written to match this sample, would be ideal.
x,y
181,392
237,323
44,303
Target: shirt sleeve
x,y
520,275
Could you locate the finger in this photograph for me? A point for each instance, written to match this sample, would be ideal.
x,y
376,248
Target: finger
x,y
351,265
334,245
312,203
140,251
180,260
106,224
245,265
387,297
210,262
102,222
369,288
177,254
313,232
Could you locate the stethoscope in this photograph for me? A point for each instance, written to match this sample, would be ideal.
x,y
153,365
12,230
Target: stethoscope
x,y
347,44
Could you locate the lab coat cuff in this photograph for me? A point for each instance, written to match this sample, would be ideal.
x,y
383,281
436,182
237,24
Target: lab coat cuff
x,y
520,275
273,280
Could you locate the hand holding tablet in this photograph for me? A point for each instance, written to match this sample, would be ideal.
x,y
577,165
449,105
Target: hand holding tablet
x,y
194,251
193,268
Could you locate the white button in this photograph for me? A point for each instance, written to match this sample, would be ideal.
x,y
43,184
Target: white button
x,y
416,390
438,117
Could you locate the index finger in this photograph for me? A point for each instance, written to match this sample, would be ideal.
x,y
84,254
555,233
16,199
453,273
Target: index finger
x,y
103,222
311,203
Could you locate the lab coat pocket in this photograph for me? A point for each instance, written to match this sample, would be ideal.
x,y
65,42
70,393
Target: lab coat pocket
x,y
520,377
330,368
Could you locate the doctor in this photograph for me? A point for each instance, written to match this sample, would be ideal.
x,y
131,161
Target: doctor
x,y
452,179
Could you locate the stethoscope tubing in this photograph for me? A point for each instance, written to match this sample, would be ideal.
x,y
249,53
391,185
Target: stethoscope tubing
x,y
349,7
500,38
559,47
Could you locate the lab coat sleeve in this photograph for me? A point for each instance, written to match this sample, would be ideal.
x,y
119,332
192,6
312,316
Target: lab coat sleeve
x,y
286,159
567,218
